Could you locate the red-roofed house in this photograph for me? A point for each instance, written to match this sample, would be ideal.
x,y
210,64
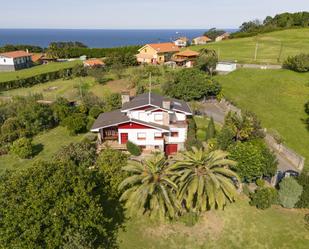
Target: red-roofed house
x,y
201,40
157,53
94,63
15,60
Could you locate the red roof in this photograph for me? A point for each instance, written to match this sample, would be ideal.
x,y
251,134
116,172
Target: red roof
x,y
164,47
94,62
15,54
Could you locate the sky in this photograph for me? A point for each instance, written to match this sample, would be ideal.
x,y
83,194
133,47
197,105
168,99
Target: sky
x,y
140,14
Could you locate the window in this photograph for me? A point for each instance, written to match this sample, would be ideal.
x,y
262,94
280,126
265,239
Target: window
x,y
157,147
174,134
158,136
141,136
158,117
145,50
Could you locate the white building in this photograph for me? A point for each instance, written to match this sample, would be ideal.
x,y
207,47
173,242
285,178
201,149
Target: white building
x,y
148,120
15,60
226,67
182,42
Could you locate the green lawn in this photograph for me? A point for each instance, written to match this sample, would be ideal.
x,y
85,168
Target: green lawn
x,y
289,42
277,97
49,143
50,67
238,226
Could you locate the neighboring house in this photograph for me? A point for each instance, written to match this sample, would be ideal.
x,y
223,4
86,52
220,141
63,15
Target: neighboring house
x,y
151,121
182,42
12,61
94,63
202,40
157,53
225,67
37,58
186,58
224,36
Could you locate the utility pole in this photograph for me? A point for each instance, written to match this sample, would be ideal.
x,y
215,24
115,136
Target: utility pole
x,y
150,88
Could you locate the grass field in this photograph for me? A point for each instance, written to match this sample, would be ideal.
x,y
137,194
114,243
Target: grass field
x,y
48,143
238,226
277,97
271,46
50,67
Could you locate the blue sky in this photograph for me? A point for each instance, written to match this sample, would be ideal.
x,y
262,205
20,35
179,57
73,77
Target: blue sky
x,y
109,14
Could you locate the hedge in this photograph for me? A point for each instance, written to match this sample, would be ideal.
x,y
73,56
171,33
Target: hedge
x,y
42,78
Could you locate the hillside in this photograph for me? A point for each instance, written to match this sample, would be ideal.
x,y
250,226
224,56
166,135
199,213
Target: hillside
x,y
277,97
270,46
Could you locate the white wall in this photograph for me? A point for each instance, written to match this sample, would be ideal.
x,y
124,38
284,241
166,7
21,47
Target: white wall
x,y
6,61
224,67
150,138
182,135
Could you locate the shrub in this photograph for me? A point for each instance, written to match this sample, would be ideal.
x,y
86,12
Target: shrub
x,y
133,149
23,148
303,180
298,63
95,111
191,137
225,138
289,192
260,183
263,198
211,130
76,123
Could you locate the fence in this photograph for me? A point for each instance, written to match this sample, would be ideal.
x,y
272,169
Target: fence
x,y
297,160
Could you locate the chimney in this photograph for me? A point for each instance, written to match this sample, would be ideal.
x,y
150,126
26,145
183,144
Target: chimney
x,y
166,104
125,97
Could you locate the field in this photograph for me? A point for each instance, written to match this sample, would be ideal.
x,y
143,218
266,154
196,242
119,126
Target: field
x,y
50,67
277,97
273,47
238,226
46,144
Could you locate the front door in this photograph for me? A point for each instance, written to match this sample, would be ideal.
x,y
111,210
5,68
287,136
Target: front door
x,y
124,138
171,149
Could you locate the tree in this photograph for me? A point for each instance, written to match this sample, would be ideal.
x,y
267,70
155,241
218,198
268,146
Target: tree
x,y
303,180
213,33
225,138
48,201
211,130
207,60
23,148
134,149
150,189
263,198
110,163
191,84
61,108
95,111
113,102
76,123
253,161
289,192
298,63
205,180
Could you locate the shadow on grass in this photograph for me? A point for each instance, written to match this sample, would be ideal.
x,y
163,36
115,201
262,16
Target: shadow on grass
x,y
37,149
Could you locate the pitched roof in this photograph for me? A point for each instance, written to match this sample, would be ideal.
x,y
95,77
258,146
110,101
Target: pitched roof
x,y
182,39
164,47
15,54
113,118
156,100
187,53
203,38
94,62
37,57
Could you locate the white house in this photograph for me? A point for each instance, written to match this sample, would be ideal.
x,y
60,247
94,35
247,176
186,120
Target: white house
x,y
149,120
11,61
201,40
182,42
226,66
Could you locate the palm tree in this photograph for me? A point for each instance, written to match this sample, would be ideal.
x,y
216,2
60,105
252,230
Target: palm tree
x,y
149,188
204,179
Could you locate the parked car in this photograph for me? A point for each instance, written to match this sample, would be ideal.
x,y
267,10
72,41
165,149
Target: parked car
x,y
292,173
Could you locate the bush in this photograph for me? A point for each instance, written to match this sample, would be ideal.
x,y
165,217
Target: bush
x,y
225,138
133,149
303,180
260,183
263,198
95,111
211,130
23,148
289,192
76,123
191,136
298,63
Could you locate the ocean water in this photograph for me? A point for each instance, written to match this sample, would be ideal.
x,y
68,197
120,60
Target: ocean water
x,y
98,38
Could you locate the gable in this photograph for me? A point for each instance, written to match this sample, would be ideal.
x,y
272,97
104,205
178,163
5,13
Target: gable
x,y
147,50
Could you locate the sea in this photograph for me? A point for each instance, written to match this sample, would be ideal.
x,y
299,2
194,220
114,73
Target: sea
x,y
96,38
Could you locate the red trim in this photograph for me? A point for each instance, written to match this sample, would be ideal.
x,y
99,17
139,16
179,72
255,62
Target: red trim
x,y
132,125
142,108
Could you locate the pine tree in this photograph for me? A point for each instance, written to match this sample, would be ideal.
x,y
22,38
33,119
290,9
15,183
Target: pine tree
x,y
211,131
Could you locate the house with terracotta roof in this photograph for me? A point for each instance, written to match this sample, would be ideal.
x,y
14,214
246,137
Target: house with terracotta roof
x,y
201,40
37,58
156,53
94,63
15,60
182,42
186,58
151,121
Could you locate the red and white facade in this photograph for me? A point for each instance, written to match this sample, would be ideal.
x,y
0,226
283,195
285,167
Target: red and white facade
x,y
152,127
